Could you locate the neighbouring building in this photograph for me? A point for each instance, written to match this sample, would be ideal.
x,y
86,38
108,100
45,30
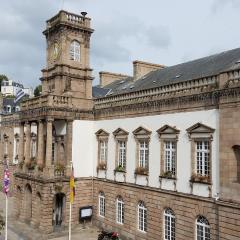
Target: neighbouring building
x,y
11,88
156,154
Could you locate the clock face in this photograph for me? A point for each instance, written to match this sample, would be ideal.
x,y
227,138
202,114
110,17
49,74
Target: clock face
x,y
55,50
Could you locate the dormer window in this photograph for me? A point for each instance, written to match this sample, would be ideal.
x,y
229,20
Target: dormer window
x,y
75,51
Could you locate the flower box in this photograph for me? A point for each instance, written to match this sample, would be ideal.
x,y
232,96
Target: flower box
x,y
141,171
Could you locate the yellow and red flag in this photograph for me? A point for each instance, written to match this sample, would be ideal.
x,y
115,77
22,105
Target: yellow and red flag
x,y
72,187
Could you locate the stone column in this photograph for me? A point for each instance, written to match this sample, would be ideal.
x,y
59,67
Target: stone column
x,y
40,147
28,144
69,146
49,143
21,143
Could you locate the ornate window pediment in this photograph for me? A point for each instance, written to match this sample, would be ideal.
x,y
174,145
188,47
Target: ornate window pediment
x,y
142,132
200,128
102,133
120,133
167,130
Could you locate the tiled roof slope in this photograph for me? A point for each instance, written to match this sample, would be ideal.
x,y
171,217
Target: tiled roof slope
x,y
203,67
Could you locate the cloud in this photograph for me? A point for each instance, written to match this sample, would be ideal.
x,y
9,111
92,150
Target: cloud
x,y
220,4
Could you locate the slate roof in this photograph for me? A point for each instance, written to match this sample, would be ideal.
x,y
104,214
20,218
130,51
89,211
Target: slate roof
x,y
203,67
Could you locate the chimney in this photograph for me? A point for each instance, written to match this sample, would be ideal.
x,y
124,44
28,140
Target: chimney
x,y
107,78
142,68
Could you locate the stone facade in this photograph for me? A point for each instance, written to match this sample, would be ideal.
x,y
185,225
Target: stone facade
x,y
38,143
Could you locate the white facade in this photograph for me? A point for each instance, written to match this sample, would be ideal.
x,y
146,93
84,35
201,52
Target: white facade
x,y
85,150
28,91
10,87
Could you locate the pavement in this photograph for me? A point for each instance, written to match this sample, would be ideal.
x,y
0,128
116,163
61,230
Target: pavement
x,y
21,231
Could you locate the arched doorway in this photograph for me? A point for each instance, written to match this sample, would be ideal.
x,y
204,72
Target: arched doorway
x,y
28,203
58,209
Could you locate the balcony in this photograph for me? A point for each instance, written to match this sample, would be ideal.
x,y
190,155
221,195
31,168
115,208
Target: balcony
x,y
56,101
68,18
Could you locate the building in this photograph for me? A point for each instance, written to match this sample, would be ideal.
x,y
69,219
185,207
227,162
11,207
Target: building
x,y
11,88
156,154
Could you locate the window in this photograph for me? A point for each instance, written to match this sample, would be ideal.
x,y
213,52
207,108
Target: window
x,y
16,148
120,211
168,136
143,154
75,51
122,154
202,157
201,137
101,204
169,224
102,138
142,217
121,137
203,229
170,157
33,145
103,150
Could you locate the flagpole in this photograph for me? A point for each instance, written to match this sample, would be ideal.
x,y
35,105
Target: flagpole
x,y
70,221
70,210
6,221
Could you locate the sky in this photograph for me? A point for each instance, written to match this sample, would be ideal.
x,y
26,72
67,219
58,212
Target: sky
x,y
158,31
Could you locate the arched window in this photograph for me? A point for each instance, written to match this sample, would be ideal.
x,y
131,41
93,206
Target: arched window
x,y
120,210
203,228
75,51
169,224
101,206
142,217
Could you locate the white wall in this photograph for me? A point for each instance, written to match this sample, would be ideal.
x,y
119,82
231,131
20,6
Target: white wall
x,y
83,142
85,148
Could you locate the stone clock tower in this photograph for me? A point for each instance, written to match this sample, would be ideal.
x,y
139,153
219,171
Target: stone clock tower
x,y
68,43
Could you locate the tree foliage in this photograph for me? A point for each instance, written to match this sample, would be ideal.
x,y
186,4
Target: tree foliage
x,y
38,91
3,78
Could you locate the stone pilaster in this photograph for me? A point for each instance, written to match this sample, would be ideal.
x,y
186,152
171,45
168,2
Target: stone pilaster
x,y
28,143
40,147
21,143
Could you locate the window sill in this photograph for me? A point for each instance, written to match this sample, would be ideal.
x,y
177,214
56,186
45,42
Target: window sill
x,y
119,171
141,174
201,182
168,177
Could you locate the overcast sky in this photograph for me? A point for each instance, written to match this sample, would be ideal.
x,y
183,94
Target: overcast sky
x,y
158,31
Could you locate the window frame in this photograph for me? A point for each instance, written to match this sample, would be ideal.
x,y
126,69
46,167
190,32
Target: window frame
x,y
120,135
172,224
142,221
168,134
102,136
120,211
204,227
142,135
101,205
201,167
75,51
200,133
16,148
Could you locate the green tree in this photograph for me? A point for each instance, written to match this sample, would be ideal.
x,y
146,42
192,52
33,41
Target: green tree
x,y
38,91
3,78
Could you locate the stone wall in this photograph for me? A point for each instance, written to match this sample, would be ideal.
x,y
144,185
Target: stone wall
x,y
229,123
223,219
